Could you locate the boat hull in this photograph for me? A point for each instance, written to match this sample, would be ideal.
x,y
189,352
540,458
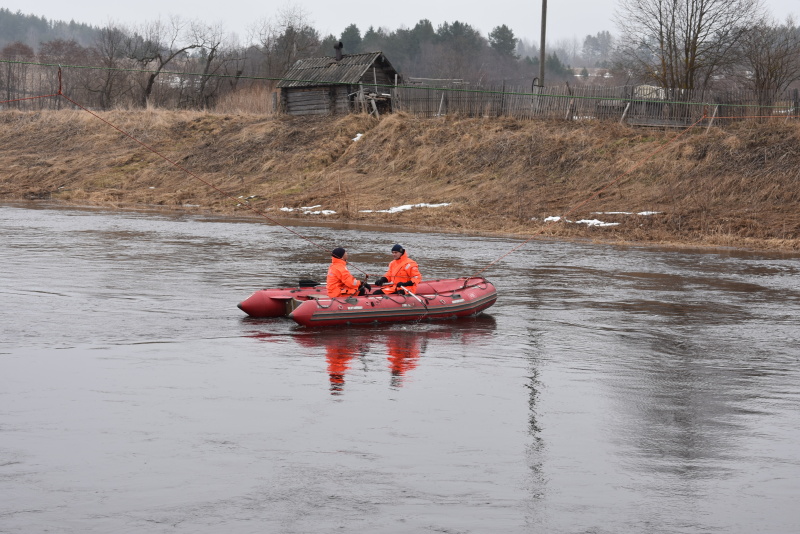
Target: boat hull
x,y
277,302
436,299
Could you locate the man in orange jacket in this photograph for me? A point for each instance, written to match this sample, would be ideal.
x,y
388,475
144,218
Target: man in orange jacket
x,y
402,272
340,282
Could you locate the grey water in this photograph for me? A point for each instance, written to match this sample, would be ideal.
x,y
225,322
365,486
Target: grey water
x,y
609,390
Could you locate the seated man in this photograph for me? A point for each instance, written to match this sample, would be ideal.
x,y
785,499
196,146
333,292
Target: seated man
x,y
340,282
403,272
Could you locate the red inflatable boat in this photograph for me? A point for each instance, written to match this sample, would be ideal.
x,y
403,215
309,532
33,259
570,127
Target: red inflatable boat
x,y
434,299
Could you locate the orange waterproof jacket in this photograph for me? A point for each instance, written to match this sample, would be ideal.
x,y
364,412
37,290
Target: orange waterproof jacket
x,y
340,281
402,270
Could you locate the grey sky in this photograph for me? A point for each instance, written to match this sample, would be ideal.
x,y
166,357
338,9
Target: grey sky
x,y
566,18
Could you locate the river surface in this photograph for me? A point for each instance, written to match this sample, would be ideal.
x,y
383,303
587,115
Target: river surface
x,y
609,390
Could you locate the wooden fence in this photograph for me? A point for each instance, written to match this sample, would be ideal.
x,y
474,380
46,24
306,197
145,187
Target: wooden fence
x,y
638,105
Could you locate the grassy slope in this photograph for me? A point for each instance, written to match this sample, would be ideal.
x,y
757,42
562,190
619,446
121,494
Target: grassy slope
x,y
734,187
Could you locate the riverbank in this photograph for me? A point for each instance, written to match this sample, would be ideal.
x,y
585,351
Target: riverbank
x,y
738,187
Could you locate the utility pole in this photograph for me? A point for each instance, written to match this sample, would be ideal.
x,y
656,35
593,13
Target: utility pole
x,y
541,45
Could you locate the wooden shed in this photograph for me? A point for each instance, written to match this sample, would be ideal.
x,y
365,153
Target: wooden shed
x,y
338,85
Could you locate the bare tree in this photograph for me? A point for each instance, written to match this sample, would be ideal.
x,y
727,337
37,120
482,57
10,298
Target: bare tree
x,y
770,55
680,44
62,52
113,83
286,39
568,50
216,52
16,74
597,49
159,44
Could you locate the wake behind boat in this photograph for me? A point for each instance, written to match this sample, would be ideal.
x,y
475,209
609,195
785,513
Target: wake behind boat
x,y
433,299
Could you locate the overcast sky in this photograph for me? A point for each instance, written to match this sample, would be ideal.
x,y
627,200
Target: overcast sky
x,y
566,18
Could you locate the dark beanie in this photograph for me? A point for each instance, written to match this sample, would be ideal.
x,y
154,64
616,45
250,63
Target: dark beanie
x,y
338,252
398,248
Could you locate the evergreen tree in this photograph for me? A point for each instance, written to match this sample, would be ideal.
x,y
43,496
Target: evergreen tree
x,y
33,30
326,46
423,32
351,39
461,36
373,40
502,40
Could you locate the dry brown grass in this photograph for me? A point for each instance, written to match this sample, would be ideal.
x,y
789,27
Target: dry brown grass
x,y
735,187
256,99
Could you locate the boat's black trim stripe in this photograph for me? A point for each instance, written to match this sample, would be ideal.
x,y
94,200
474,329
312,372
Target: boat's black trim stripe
x,y
412,313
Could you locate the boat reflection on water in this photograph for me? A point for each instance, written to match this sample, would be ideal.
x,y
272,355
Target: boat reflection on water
x,y
402,345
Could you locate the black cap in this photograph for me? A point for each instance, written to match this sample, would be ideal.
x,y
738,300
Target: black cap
x,y
398,248
338,252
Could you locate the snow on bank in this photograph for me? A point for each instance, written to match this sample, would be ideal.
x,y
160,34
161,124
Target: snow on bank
x,y
645,213
311,210
588,222
406,207
597,222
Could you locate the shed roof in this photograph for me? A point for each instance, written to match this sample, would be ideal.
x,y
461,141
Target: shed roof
x,y
315,71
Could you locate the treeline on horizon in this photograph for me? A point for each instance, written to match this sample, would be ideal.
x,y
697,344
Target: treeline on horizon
x,y
451,50
32,30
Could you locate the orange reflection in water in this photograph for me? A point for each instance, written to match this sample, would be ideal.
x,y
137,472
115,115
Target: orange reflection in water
x,y
403,346
404,353
338,354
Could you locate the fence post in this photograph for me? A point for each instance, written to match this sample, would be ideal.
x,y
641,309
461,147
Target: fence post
x,y
624,113
713,116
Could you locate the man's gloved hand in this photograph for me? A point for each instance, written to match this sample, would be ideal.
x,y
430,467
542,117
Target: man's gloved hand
x,y
380,281
367,286
405,284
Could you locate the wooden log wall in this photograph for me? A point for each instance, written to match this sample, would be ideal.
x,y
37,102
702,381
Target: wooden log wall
x,y
323,100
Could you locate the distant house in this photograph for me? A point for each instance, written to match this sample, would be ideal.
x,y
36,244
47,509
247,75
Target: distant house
x,y
586,72
338,85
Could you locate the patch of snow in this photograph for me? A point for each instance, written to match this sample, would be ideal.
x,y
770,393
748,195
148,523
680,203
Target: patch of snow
x,y
624,213
406,207
595,222
589,222
310,210
357,137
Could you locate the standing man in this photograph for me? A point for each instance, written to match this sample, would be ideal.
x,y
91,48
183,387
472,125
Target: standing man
x,y
402,272
340,281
